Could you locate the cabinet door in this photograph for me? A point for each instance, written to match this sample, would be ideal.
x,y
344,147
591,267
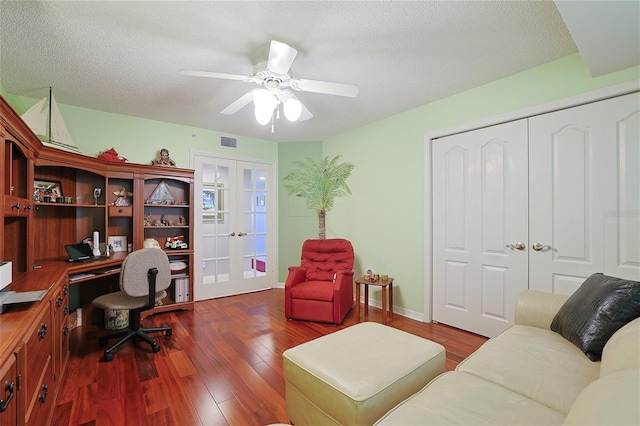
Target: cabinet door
x,y
8,390
584,194
480,227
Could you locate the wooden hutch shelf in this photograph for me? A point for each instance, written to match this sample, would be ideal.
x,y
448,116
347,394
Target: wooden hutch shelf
x,y
34,231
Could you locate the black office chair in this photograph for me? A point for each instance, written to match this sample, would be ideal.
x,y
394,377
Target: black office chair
x,y
144,278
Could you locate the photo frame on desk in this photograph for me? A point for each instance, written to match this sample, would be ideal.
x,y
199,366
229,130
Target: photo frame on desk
x,y
46,188
117,243
212,202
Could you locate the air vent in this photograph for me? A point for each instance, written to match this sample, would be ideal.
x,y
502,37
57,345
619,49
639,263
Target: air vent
x,y
228,142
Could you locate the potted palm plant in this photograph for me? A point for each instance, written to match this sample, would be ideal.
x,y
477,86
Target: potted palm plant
x,y
320,183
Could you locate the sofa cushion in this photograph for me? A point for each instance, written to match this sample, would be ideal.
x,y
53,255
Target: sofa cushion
x,y
610,400
622,351
597,309
536,363
463,399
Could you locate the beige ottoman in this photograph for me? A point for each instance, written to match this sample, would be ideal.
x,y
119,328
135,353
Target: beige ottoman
x,y
355,375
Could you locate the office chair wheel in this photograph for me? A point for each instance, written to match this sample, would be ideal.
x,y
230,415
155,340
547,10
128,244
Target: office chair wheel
x,y
155,347
108,356
103,341
168,332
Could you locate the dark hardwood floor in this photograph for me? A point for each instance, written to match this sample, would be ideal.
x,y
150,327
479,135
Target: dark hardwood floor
x,y
222,365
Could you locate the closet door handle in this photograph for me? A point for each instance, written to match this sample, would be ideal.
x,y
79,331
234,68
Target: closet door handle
x,y
241,234
540,247
516,246
233,234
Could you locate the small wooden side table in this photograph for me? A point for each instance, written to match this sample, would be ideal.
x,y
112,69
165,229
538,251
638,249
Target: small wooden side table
x,y
380,283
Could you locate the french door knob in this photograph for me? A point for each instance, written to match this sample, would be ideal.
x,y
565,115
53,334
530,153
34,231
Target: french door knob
x,y
516,246
540,247
233,234
241,234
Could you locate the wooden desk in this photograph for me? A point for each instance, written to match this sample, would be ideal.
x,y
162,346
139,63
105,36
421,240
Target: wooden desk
x,y
112,262
379,283
34,342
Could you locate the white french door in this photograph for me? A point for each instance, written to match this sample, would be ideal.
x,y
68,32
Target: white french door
x,y
234,250
480,229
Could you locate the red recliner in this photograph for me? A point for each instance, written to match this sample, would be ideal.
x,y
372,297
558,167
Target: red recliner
x,y
321,288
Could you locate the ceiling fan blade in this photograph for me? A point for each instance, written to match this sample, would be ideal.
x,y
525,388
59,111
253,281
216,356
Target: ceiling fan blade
x,y
326,87
306,114
281,57
240,103
215,75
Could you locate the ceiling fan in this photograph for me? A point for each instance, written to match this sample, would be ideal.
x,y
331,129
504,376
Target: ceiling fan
x,y
274,81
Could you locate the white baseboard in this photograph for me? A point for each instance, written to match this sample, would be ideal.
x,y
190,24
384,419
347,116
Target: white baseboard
x,y
418,316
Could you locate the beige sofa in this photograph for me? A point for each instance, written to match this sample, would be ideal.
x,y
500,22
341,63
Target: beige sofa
x,y
531,375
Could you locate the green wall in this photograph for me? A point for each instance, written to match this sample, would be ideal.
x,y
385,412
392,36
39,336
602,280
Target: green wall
x,y
384,218
139,139
296,222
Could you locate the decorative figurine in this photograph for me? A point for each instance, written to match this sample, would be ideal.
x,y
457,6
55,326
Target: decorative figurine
x,y
176,243
182,221
123,197
164,159
111,155
96,194
147,220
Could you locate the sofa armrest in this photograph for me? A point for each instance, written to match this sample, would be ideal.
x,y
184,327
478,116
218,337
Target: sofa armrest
x,y
537,308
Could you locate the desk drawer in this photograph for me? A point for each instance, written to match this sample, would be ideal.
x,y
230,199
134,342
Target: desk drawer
x,y
38,351
122,211
43,400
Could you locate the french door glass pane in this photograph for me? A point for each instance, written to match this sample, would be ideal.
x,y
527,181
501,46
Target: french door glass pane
x,y
254,201
215,224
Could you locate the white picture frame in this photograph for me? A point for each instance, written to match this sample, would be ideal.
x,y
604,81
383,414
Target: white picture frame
x,y
117,243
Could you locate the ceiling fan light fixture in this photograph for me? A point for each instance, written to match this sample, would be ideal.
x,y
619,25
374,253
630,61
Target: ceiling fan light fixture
x,y
263,116
264,100
292,108
273,78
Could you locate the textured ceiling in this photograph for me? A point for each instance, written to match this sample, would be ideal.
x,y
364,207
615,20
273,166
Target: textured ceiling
x,y
124,57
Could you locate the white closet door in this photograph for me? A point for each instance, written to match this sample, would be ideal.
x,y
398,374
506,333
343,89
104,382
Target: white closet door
x,y
579,166
479,217
622,204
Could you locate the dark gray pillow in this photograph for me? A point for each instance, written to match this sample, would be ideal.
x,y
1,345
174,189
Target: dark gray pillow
x,y
598,308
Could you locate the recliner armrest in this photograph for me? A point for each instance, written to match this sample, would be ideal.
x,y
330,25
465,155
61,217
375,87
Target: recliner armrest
x,y
537,308
297,274
344,278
